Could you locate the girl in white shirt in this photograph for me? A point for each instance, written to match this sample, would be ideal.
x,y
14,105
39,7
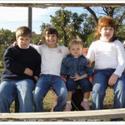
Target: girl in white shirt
x,y
108,55
51,57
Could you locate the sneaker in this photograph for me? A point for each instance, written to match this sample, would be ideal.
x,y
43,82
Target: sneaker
x,y
68,107
85,105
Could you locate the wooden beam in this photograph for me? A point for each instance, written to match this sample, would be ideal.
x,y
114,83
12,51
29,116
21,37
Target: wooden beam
x,y
45,5
93,115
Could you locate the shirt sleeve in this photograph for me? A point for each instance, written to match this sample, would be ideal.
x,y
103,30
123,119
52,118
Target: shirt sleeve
x,y
37,47
38,66
120,58
65,50
89,69
64,67
90,54
11,63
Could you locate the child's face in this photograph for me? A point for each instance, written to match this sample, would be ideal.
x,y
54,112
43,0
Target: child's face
x,y
23,41
51,40
107,33
76,50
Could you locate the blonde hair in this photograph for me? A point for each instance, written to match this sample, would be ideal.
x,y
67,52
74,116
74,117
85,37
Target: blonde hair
x,y
75,42
23,31
105,21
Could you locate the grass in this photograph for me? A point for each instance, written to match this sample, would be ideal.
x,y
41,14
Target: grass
x,y
50,99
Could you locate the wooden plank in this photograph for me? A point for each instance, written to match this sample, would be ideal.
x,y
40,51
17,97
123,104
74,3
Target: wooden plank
x,y
45,5
96,115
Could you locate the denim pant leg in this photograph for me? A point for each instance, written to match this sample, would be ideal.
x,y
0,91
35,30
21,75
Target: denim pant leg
x,y
86,85
7,95
119,93
98,91
25,95
42,87
61,91
71,85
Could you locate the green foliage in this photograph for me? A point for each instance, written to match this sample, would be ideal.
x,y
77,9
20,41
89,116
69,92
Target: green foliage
x,y
2,49
61,21
6,37
71,25
89,40
121,33
36,38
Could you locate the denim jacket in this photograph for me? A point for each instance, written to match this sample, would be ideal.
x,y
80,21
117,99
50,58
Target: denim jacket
x,y
70,66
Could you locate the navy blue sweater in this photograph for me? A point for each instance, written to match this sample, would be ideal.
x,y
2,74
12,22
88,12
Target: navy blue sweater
x,y
17,59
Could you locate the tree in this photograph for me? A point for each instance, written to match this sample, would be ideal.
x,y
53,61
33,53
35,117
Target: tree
x,y
61,21
71,25
6,37
118,13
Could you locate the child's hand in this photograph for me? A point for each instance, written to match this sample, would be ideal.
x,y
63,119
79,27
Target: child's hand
x,y
63,78
113,79
78,77
28,72
36,78
14,44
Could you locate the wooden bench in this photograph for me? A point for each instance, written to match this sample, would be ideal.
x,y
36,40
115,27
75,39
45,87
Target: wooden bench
x,y
93,115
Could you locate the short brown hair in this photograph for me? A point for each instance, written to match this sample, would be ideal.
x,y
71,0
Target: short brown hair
x,y
50,30
23,31
75,42
105,21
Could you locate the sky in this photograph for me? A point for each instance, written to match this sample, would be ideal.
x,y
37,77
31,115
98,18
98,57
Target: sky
x,y
13,17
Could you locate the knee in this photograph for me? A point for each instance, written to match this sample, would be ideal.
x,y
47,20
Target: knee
x,y
120,88
63,94
98,91
37,96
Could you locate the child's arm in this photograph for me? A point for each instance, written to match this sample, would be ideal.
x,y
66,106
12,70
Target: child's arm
x,y
38,67
78,77
121,63
113,79
36,78
63,78
64,67
11,63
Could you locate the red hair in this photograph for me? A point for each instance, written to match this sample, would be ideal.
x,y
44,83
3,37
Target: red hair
x,y
105,21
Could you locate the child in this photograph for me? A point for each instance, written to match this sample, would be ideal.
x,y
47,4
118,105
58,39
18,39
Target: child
x,y
75,69
109,57
51,55
22,69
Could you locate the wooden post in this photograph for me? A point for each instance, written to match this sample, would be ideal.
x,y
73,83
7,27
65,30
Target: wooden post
x,y
30,17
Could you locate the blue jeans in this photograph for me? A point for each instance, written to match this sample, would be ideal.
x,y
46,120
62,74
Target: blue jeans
x,y
85,85
22,89
101,78
42,87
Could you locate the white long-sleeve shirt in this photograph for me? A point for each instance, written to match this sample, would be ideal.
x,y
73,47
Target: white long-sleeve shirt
x,y
107,55
51,58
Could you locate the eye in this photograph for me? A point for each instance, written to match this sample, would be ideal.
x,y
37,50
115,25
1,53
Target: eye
x,y
78,48
21,39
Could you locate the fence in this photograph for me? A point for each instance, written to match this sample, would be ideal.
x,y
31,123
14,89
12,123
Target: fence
x,y
93,115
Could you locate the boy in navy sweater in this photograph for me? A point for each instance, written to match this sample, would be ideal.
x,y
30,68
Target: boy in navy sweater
x,y
22,69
